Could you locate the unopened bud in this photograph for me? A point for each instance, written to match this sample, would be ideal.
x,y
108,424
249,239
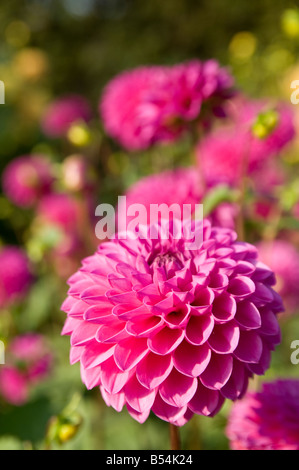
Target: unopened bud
x,y
265,124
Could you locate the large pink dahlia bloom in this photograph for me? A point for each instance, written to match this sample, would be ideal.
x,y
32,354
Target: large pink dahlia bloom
x,y
268,419
27,178
164,328
146,105
15,275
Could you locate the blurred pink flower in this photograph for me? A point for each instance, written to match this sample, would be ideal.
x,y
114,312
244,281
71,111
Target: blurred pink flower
x,y
283,258
268,419
146,105
179,186
28,360
26,179
33,351
63,112
15,275
164,328
13,386
228,152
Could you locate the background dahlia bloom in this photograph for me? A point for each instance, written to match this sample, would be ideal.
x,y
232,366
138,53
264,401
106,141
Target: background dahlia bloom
x,y
63,112
227,152
268,419
283,258
163,328
32,350
13,386
28,361
26,179
15,275
147,105
179,186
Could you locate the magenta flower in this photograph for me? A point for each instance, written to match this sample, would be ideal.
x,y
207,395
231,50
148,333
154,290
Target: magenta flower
x,y
228,152
63,112
28,360
15,275
155,104
268,419
179,186
13,386
33,351
26,179
161,327
283,258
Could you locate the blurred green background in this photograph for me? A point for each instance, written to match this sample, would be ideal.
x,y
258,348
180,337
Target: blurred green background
x,y
52,47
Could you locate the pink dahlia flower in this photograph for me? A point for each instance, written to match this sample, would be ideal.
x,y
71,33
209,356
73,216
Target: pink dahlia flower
x,y
179,186
15,275
154,104
161,327
283,258
26,179
13,386
228,152
268,419
63,112
32,350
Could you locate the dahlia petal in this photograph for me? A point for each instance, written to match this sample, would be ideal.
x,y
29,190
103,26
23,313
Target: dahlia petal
x,y
218,371
264,362
178,318
145,326
204,401
153,369
112,378
93,294
78,287
224,307
83,333
127,313
100,314
75,354
199,329
244,268
203,298
78,309
138,397
224,338
165,340
91,377
149,294
177,389
241,286
248,315
140,417
111,333
249,348
68,304
96,353
263,294
270,324
129,352
120,283
218,282
183,419
191,360
117,400
124,298
235,385
69,325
